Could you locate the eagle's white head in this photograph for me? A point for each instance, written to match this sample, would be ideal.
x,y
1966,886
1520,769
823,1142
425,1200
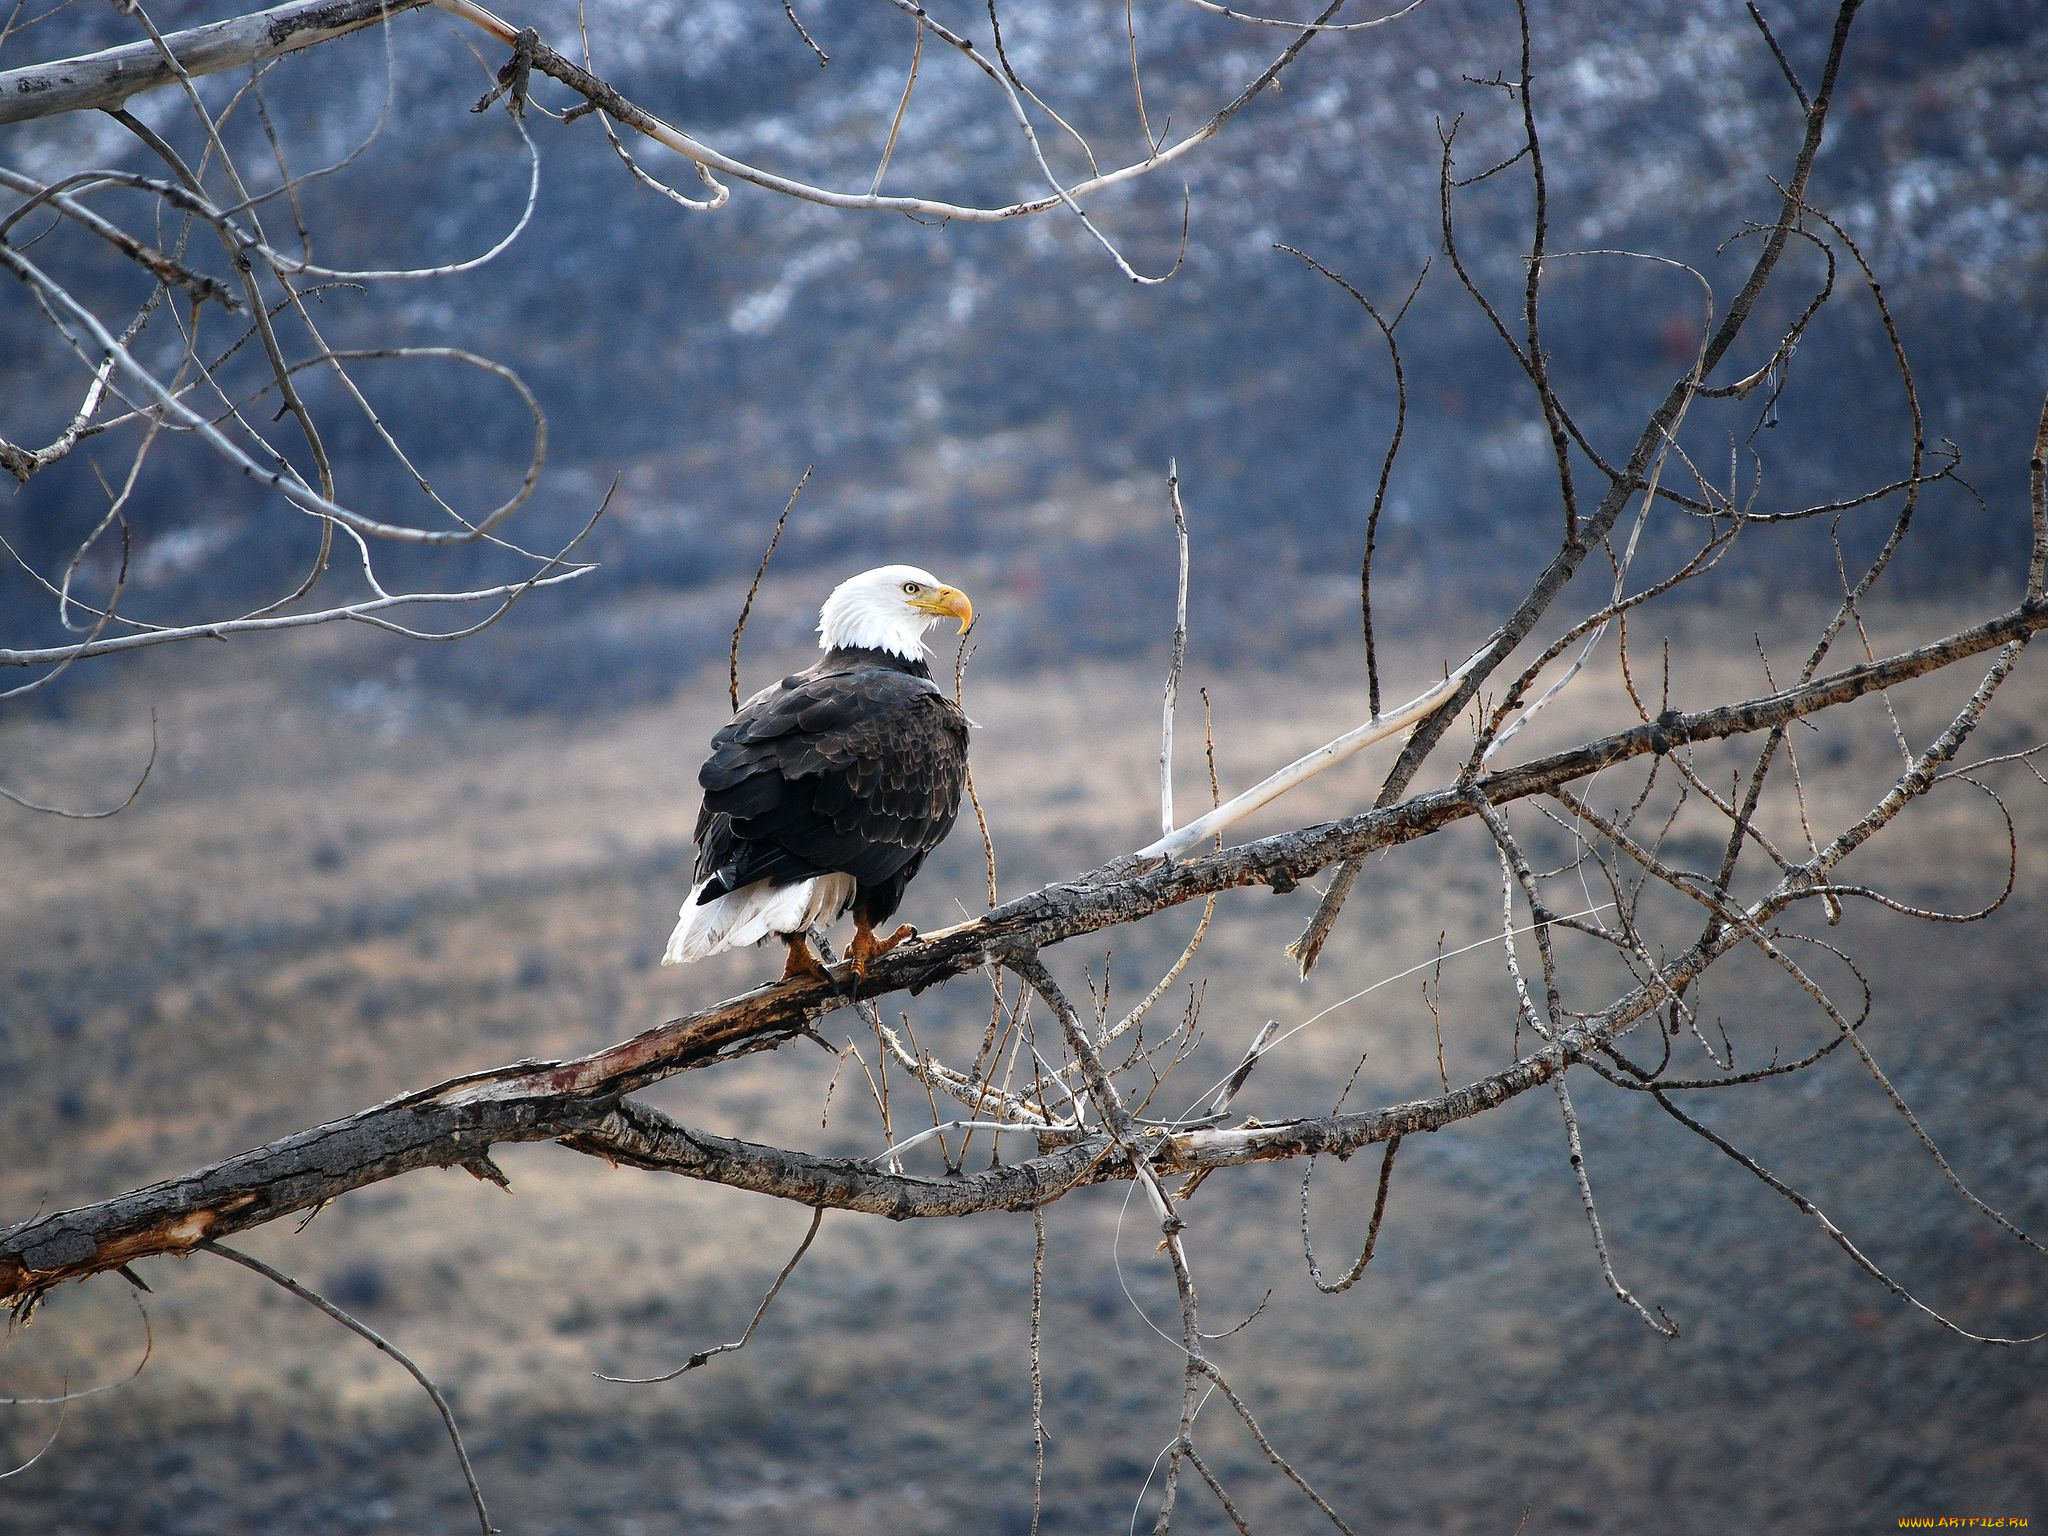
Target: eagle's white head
x,y
889,609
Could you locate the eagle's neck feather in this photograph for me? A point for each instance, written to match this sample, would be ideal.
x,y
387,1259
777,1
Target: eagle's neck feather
x,y
847,658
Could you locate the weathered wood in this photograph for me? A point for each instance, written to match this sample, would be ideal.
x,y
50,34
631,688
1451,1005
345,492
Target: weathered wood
x,y
643,1137
110,77
293,1174
454,1124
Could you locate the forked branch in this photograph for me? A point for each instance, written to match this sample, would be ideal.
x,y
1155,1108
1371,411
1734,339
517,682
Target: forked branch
x,y
581,1103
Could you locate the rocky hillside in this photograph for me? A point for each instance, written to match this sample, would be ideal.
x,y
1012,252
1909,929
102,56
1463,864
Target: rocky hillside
x,y
1000,394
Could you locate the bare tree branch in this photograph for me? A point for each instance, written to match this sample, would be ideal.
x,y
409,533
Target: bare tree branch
x,y
703,1356
577,1101
363,1330
1633,477
109,78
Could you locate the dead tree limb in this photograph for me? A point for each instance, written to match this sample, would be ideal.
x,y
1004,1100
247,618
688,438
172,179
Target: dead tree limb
x,y
580,1102
111,77
108,78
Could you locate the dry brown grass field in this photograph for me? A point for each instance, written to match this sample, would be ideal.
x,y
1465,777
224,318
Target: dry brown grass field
x,y
337,887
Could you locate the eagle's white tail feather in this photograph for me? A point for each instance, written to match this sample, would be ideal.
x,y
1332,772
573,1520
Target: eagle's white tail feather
x,y
753,912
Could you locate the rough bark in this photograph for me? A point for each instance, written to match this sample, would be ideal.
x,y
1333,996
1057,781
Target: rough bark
x,y
579,1101
110,77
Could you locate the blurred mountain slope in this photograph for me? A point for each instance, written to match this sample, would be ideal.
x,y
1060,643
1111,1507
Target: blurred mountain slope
x,y
998,394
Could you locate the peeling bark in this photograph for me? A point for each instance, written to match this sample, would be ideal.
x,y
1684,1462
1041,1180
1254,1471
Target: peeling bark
x,y
579,1102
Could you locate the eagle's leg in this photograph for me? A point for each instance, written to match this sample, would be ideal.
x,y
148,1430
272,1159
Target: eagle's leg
x,y
866,946
802,964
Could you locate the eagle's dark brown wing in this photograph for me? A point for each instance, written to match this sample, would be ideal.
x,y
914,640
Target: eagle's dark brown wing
x,y
849,768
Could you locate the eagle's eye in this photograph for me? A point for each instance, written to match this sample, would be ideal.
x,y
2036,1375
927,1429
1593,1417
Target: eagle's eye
x,y
911,588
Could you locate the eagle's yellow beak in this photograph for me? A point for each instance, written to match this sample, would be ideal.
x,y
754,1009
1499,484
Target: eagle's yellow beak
x,y
947,601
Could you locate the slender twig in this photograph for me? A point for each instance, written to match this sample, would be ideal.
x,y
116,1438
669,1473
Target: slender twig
x,y
1662,1322
1281,1463
67,1395
902,108
1379,491
988,842
1778,53
363,1330
740,625
1230,1509
1037,1367
1835,1234
1180,651
40,1451
1302,769
70,815
767,1301
1350,1277
789,10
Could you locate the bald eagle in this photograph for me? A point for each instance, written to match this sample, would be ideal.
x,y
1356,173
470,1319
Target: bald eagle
x,y
828,789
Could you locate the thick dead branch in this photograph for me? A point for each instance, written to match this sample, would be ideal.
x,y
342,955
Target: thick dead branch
x,y
455,1124
108,78
578,1101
